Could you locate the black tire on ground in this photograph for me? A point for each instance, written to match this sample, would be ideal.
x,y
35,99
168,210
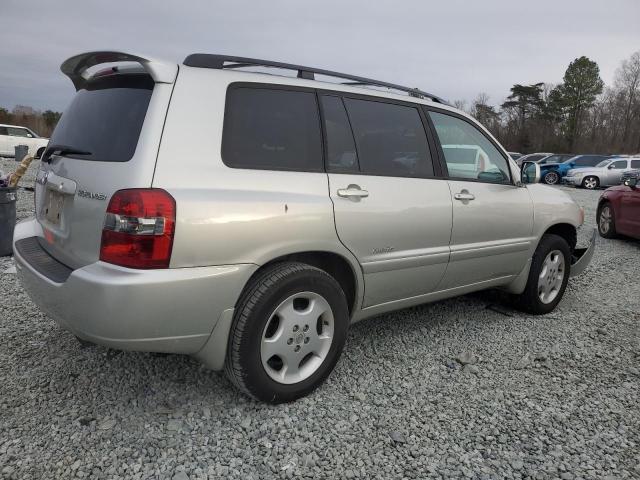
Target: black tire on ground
x,y
258,301
587,182
529,300
551,178
39,152
606,228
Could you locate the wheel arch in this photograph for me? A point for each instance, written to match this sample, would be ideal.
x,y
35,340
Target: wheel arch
x,y
40,151
334,264
566,231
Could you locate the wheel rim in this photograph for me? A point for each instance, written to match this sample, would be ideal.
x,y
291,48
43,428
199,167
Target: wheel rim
x,y
551,178
605,220
297,338
551,276
590,182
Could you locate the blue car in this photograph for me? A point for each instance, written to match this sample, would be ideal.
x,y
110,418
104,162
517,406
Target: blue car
x,y
553,173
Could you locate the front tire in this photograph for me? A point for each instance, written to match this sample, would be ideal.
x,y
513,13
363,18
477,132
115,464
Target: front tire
x,y
590,182
606,221
551,178
288,331
39,152
548,276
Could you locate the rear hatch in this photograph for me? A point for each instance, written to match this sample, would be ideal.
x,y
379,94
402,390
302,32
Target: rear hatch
x,y
106,140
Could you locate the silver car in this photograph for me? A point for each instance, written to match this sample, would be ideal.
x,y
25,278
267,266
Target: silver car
x,y
605,174
248,219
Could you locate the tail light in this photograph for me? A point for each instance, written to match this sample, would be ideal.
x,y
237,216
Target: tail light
x,y
138,228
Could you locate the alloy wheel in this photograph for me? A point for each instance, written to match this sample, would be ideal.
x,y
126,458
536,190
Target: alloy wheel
x,y
551,276
297,338
551,178
590,183
604,221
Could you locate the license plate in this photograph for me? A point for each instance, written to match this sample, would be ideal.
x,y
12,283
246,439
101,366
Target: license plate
x,y
54,207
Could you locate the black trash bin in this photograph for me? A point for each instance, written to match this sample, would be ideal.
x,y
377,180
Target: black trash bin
x,y
7,219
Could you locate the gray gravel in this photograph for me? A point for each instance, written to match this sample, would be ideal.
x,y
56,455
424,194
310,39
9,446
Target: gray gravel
x,y
465,388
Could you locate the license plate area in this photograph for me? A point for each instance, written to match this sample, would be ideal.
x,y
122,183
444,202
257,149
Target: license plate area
x,y
54,207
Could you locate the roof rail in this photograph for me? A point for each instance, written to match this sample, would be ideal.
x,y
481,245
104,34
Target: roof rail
x,y
208,60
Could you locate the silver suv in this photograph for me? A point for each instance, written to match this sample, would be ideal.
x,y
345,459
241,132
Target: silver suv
x,y
248,219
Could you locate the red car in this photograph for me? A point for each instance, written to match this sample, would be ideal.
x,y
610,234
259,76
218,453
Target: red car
x,y
619,210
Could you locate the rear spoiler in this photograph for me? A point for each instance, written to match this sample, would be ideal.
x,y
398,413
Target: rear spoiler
x,y
76,67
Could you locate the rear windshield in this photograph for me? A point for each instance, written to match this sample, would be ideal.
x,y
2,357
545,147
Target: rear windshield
x,y
105,118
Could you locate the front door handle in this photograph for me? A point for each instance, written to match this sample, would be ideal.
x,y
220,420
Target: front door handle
x,y
464,195
353,192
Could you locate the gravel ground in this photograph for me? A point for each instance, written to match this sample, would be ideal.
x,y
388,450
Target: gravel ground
x,y
541,397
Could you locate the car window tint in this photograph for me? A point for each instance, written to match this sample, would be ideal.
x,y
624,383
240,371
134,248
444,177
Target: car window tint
x,y
341,147
3,131
390,138
635,163
272,129
468,153
619,165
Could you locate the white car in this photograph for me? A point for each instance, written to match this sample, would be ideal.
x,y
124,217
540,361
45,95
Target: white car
x,y
605,174
13,135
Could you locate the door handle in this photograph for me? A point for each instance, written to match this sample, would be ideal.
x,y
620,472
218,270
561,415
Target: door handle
x,y
353,192
464,195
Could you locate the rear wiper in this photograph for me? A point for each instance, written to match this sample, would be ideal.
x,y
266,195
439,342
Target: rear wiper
x,y
61,150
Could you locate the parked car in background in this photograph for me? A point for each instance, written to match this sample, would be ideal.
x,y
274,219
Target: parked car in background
x,y
606,173
549,167
573,162
318,205
619,209
532,157
515,155
13,135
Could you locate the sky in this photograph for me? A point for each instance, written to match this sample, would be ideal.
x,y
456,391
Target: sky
x,y
453,48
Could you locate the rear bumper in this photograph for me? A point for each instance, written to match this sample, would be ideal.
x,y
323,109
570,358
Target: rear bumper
x,y
170,310
582,256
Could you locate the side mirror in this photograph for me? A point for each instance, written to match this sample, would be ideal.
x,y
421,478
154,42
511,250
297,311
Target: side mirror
x,y
610,166
631,182
530,172
29,135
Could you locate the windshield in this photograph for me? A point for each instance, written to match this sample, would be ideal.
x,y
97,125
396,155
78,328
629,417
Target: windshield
x,y
105,118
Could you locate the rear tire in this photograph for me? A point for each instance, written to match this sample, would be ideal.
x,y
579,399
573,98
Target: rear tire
x,y
278,350
590,182
548,276
606,221
551,178
39,152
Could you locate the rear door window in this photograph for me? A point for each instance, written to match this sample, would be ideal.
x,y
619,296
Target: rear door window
x,y
468,153
272,129
105,118
635,163
390,139
619,165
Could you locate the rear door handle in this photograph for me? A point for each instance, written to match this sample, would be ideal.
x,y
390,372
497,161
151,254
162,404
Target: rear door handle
x,y
464,195
353,192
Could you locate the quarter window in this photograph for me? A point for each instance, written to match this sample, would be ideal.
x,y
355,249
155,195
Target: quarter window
x,y
390,139
467,152
341,148
272,129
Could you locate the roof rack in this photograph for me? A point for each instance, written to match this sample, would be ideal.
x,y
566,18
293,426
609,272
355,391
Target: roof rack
x,y
207,60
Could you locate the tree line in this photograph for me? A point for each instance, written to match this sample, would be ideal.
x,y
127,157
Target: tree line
x,y
579,115
42,123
